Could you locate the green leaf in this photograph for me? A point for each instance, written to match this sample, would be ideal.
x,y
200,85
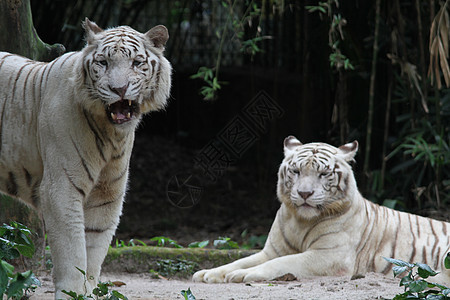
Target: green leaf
x,y
425,271
187,294
81,271
405,281
399,270
4,280
312,9
417,286
19,283
118,295
399,262
202,244
71,294
447,261
163,241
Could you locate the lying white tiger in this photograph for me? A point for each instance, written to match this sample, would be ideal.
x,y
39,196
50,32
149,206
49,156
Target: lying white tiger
x,y
67,131
325,227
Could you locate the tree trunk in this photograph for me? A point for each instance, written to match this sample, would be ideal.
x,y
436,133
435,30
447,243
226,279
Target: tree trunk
x,y
17,35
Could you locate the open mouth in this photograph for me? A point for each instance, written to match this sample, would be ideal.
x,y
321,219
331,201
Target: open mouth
x,y
122,111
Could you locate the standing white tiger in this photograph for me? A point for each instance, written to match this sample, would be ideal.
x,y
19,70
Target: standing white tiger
x,y
67,131
325,227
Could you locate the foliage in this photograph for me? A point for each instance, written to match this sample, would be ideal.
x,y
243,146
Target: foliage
x,y
220,243
209,91
201,244
416,287
102,291
235,28
163,241
421,157
170,267
15,240
329,8
131,243
225,243
187,294
254,241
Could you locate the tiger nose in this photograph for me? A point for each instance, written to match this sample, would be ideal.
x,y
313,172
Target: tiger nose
x,y
119,90
305,195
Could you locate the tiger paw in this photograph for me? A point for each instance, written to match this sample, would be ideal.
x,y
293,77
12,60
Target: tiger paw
x,y
246,275
209,276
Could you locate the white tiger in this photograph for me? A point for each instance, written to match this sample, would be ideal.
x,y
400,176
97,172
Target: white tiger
x,y
67,131
325,227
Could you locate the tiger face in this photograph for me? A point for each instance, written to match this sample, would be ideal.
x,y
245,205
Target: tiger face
x,y
123,69
314,179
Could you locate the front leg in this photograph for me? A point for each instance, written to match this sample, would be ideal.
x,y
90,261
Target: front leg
x,y
307,264
62,210
102,212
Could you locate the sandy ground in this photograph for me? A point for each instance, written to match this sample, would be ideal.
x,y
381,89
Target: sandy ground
x,y
142,286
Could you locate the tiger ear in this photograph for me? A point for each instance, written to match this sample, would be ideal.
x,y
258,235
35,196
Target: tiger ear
x,y
91,29
290,143
349,150
158,35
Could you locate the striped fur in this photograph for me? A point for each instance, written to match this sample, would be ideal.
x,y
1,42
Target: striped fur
x,y
325,227
67,131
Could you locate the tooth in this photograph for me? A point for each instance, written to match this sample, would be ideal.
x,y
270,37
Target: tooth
x,y
128,115
113,116
129,102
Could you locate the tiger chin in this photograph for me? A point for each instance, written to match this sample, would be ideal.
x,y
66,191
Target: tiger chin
x,y
67,129
324,226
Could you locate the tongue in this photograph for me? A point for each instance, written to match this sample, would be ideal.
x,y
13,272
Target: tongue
x,y
119,116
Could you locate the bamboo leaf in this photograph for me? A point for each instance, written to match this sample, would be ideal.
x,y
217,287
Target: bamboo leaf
x,y
444,64
433,48
443,34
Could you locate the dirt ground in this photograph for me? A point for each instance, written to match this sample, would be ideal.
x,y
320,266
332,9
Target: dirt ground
x,y
143,286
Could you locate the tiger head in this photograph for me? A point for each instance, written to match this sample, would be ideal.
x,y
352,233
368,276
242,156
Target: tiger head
x,y
125,72
316,179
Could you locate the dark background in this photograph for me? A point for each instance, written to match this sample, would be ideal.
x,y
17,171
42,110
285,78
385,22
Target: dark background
x,y
318,102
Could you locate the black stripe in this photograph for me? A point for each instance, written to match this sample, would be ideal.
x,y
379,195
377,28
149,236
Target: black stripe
x,y
281,225
24,98
98,140
11,185
364,237
94,230
418,226
413,252
83,162
107,202
42,79
80,190
124,173
3,59
35,199
66,58
15,81
28,177
118,156
49,70
1,124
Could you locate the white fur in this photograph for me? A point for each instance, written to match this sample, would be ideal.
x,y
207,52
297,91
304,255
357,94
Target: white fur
x,y
61,154
339,232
